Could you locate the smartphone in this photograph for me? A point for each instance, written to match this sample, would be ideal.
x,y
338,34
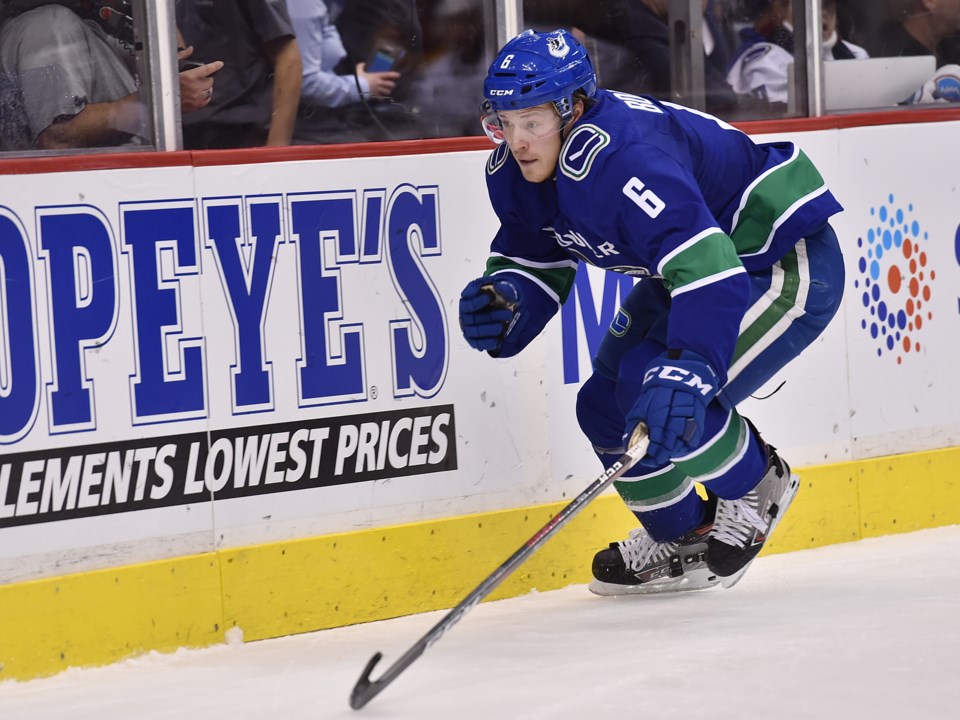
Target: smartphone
x,y
383,60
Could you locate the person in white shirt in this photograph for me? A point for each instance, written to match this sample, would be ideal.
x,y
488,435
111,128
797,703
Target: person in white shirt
x,y
760,66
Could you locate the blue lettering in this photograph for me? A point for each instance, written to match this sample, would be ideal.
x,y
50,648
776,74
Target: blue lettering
x,y
246,270
319,222
161,242
19,369
595,324
82,285
420,343
372,225
956,252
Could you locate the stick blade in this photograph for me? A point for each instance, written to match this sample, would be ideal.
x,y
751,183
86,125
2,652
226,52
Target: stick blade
x,y
361,693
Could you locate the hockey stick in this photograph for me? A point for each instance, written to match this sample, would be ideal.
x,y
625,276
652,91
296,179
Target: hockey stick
x,y
366,689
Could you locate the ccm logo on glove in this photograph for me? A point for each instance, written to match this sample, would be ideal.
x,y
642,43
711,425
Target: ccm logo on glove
x,y
673,403
672,373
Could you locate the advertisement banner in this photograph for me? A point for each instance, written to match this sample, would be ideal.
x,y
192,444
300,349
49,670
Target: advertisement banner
x,y
199,358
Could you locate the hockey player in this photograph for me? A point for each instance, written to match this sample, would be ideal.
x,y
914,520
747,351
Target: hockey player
x,y
738,272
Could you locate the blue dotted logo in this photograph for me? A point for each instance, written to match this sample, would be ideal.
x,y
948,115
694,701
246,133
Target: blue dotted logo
x,y
894,279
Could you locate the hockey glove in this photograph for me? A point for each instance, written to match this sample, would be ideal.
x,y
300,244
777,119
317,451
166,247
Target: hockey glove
x,y
490,309
673,403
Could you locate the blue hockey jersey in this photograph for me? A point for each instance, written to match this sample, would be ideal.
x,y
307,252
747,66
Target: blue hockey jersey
x,y
657,191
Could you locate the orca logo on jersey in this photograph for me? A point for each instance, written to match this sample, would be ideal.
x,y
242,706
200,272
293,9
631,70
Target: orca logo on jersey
x,y
557,46
581,149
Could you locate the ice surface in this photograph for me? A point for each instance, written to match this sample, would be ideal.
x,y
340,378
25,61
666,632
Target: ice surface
x,y
861,630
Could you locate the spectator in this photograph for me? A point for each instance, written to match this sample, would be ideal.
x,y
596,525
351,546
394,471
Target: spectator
x,y
919,27
72,79
14,133
258,90
196,78
77,91
391,28
366,26
835,48
858,20
328,100
760,68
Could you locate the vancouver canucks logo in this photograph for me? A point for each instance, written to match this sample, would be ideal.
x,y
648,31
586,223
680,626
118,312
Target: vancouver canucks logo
x,y
581,149
557,46
621,323
497,158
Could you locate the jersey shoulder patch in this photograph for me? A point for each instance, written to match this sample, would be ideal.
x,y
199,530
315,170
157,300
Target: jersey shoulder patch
x,y
497,158
581,149
756,52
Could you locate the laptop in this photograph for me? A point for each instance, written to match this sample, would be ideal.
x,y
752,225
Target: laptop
x,y
874,82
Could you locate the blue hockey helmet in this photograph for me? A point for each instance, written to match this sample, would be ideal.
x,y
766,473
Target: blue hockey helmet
x,y
535,68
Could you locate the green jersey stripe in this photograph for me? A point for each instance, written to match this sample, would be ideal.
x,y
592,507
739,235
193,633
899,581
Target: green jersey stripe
x,y
720,454
556,282
685,245
771,200
709,280
640,497
756,181
789,314
706,259
534,264
663,501
787,214
774,313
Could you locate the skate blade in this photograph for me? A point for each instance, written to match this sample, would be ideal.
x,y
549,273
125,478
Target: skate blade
x,y
695,580
794,486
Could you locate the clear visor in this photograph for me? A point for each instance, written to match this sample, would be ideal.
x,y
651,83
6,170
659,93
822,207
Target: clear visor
x,y
513,126
490,123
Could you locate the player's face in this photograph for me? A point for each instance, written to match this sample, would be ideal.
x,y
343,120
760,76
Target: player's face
x,y
534,137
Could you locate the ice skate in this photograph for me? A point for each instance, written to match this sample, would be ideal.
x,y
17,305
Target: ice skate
x,y
741,527
640,565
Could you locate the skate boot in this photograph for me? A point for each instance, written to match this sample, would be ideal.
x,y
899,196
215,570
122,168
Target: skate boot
x,y
741,527
640,565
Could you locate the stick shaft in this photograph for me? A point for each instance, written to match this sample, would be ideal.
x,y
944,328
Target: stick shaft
x,y
366,689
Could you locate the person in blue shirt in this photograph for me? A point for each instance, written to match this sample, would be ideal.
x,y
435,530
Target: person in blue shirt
x,y
737,268
323,91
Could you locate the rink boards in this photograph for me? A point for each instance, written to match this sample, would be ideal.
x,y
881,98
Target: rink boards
x,y
233,393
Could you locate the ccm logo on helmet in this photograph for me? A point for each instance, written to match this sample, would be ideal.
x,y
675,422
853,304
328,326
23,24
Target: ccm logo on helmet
x,y
501,92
